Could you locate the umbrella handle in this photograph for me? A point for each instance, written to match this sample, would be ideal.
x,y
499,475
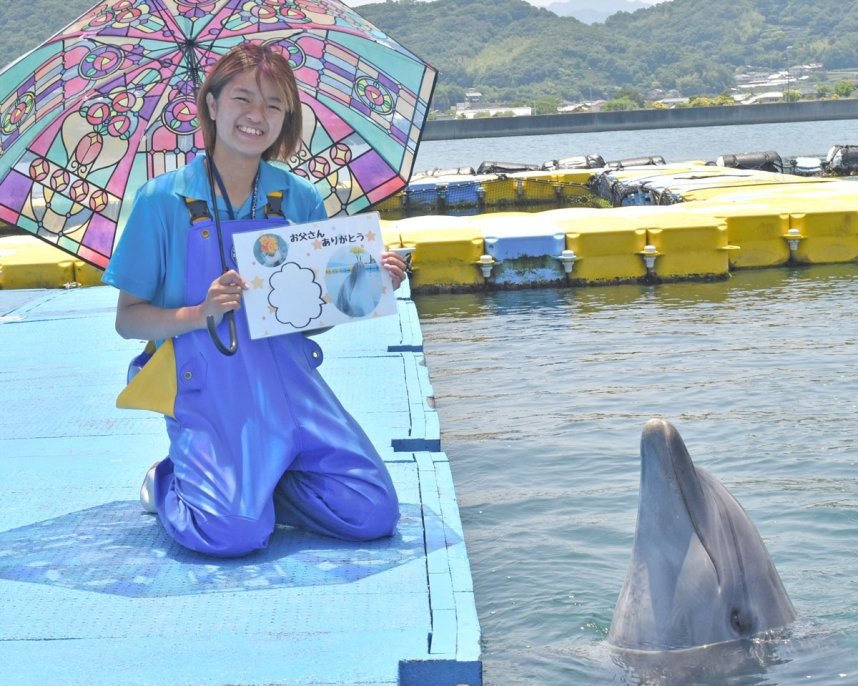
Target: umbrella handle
x,y
233,339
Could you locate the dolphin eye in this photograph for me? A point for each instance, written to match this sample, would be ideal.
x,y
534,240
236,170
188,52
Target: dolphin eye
x,y
741,622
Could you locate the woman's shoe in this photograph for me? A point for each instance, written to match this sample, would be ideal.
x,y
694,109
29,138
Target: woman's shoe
x,y
147,491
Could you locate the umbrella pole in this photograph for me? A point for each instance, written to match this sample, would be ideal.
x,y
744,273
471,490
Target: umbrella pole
x,y
230,316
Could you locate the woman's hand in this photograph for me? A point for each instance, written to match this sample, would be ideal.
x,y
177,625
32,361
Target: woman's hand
x,y
395,266
224,295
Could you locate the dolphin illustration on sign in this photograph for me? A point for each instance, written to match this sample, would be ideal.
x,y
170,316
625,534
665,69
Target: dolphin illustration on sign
x,y
700,574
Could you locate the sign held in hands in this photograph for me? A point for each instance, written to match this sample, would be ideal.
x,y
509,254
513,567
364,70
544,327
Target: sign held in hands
x,y
304,277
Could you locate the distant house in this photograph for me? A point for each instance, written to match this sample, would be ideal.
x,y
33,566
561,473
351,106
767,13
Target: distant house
x,y
670,103
588,106
769,96
473,108
567,107
754,82
463,111
472,98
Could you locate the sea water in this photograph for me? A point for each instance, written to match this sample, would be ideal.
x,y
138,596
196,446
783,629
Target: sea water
x,y
542,395
705,143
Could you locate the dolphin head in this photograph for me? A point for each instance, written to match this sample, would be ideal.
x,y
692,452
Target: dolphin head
x,y
700,573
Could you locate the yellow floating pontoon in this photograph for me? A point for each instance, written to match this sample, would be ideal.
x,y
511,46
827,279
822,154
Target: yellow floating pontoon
x,y
758,230
29,262
446,250
720,219
606,244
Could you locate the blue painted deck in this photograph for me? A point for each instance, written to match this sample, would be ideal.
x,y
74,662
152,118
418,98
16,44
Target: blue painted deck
x,y
92,591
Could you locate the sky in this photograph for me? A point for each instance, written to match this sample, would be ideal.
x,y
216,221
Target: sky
x,y
538,3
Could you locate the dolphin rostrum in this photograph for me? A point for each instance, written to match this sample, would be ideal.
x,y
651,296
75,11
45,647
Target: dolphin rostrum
x,y
700,573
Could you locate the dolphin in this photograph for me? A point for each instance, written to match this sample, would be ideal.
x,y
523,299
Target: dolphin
x,y
700,574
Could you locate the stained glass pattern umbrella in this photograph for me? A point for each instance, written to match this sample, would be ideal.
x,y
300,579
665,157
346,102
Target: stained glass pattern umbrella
x,y
108,102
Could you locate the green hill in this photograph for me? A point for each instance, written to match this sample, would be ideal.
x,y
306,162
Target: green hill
x,y
514,52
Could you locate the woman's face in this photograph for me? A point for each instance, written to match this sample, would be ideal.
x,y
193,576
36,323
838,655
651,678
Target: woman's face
x,y
248,118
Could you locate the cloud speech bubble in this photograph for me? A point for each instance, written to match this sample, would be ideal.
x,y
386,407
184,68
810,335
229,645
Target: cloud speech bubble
x,y
295,295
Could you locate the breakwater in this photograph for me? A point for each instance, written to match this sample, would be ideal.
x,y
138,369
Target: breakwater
x,y
588,122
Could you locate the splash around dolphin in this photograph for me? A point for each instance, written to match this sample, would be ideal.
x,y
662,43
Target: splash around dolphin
x,y
700,573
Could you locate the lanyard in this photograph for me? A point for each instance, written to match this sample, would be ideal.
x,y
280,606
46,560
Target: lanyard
x,y
229,316
219,180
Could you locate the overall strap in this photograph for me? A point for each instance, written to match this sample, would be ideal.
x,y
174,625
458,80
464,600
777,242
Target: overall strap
x,y
274,206
198,209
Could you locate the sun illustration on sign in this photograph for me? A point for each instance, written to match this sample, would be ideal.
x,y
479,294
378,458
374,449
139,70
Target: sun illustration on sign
x,y
270,250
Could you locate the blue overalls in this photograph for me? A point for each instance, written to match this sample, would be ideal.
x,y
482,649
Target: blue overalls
x,y
258,438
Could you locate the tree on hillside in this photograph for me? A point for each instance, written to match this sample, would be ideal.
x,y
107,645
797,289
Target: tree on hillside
x,y
843,89
547,105
620,105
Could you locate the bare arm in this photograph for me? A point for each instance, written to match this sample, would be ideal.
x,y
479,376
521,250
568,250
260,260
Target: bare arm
x,y
138,318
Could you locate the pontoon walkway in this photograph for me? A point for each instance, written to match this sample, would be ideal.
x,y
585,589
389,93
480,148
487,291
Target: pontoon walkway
x,y
93,592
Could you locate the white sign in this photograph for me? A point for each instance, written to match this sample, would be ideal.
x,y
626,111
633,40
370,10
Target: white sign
x,y
310,276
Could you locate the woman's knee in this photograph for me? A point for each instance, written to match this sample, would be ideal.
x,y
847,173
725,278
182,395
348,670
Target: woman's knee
x,y
220,535
376,519
348,510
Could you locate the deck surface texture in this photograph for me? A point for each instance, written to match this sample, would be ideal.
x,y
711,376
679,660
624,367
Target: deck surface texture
x,y
92,591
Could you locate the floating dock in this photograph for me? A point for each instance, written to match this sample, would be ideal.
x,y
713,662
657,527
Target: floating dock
x,y
93,592
664,223
621,223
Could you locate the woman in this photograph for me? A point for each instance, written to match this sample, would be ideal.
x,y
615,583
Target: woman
x,y
256,438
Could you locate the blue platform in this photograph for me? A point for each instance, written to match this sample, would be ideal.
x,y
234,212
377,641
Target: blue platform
x,y
92,591
525,248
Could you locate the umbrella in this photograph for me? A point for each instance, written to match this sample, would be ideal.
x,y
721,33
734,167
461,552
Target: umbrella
x,y
87,117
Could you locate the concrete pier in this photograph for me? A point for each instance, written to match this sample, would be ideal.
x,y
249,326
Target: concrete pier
x,y
589,122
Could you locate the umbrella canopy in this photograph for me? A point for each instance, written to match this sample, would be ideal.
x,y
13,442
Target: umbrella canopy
x,y
87,117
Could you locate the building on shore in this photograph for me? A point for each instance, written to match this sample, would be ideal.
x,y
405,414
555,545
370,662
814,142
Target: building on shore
x,y
474,108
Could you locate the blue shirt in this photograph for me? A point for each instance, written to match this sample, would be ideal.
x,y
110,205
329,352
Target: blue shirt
x,y
149,259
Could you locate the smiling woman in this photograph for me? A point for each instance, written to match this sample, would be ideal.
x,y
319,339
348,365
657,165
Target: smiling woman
x,y
257,438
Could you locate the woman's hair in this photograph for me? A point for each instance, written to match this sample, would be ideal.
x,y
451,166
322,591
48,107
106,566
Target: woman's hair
x,y
264,61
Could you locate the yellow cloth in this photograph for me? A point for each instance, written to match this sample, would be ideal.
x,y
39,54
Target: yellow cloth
x,y
155,385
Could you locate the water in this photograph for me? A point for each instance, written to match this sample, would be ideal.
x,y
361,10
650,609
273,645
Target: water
x,y
675,145
542,395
